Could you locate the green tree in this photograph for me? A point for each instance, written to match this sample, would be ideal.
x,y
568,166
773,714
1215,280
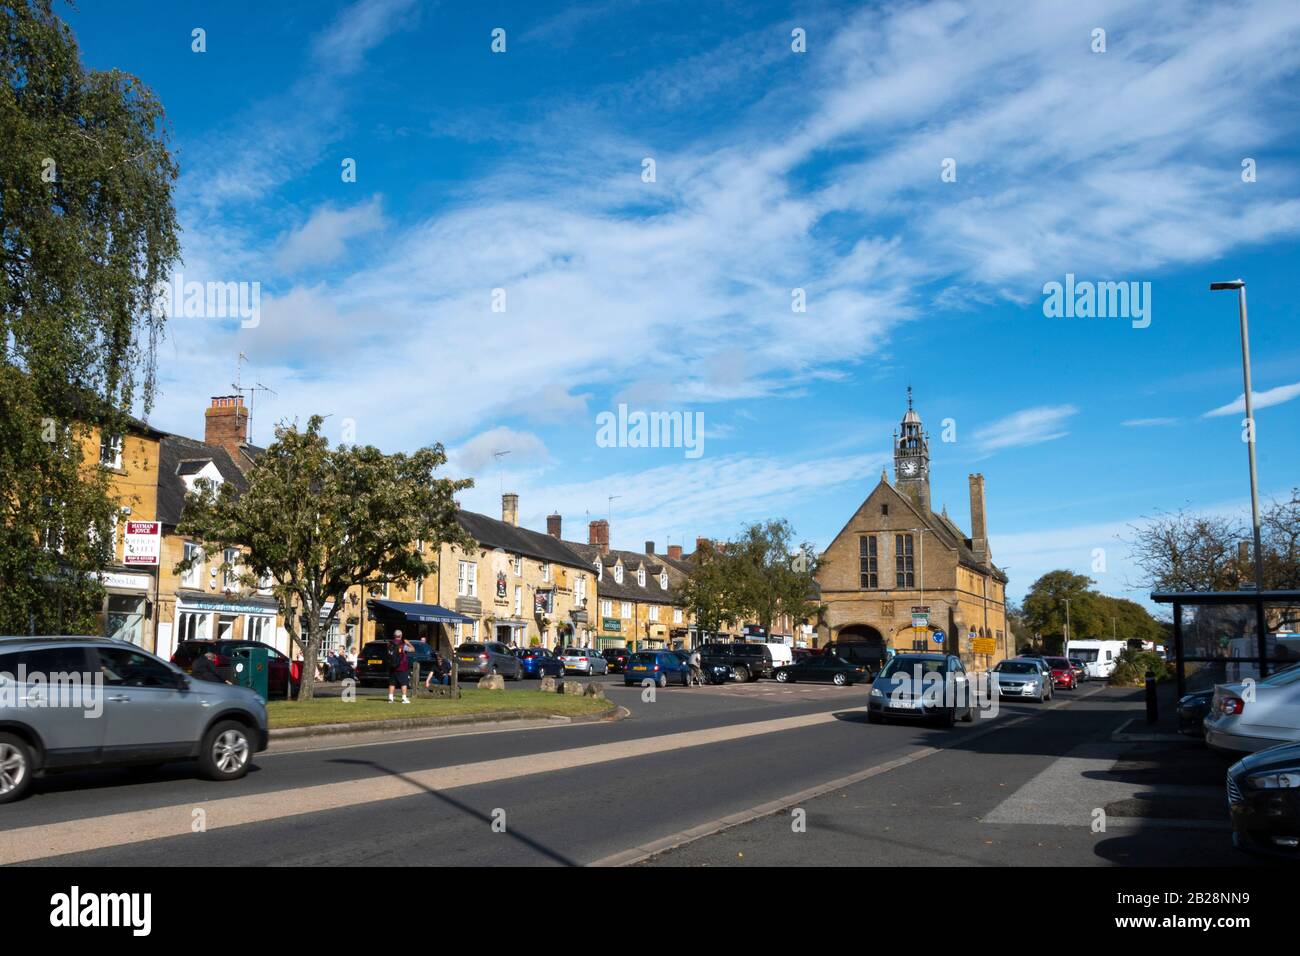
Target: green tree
x,y
1044,609
318,521
87,230
708,593
770,576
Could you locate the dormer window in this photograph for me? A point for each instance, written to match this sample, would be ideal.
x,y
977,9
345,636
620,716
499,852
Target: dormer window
x,y
600,570
663,580
618,573
640,577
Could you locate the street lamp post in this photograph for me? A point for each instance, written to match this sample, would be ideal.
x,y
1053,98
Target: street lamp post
x,y
1240,286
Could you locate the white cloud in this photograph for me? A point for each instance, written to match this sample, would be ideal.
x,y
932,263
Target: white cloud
x,y
1029,426
323,238
1273,396
1148,422
523,450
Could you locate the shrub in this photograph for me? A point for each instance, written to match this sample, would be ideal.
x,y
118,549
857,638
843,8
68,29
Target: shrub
x,y
1131,670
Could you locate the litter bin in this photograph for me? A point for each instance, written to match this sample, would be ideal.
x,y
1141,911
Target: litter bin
x,y
250,668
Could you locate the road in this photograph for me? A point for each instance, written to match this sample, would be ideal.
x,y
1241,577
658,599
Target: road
x,y
714,772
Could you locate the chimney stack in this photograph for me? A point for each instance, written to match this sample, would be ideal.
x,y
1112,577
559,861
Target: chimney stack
x,y
979,529
675,552
700,543
553,525
225,423
510,508
649,547
598,534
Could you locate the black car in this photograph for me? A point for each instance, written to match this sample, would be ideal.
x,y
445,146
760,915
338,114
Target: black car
x,y
822,667
1264,800
616,657
372,662
747,661
931,687
1192,709
870,657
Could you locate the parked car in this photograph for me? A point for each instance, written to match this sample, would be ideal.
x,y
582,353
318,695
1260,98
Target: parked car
x,y
662,667
1061,672
872,657
1080,670
823,668
478,659
748,661
372,662
281,681
152,713
1192,710
539,662
932,687
1021,677
616,658
1237,724
1264,801
584,660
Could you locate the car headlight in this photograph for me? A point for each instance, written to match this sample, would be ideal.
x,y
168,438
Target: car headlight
x,y
877,692
1284,780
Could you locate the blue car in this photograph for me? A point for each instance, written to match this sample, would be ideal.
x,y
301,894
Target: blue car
x,y
662,667
538,662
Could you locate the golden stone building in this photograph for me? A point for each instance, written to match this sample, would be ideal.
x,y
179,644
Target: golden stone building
x,y
902,576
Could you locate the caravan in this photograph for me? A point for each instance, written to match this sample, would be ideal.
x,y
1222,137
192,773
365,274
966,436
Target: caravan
x,y
1099,657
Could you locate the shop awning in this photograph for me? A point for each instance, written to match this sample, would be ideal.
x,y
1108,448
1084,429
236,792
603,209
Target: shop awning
x,y
433,613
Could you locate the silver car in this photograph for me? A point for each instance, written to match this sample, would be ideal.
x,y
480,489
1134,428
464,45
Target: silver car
x,y
585,660
1021,677
87,702
1249,716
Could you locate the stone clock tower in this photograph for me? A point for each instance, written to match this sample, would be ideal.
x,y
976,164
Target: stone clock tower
x,y
912,458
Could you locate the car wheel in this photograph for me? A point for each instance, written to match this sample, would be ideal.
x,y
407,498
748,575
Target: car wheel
x,y
741,674
663,680
15,768
782,677
226,751
839,680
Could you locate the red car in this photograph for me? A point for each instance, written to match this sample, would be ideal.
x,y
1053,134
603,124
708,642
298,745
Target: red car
x,y
283,676
1062,673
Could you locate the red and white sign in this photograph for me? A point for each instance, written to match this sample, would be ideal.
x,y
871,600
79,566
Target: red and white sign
x,y
143,543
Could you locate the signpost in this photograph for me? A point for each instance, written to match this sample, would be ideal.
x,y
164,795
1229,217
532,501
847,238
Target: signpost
x,y
938,636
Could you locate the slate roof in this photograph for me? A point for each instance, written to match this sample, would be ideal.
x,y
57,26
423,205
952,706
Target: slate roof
x,y
179,456
629,590
495,533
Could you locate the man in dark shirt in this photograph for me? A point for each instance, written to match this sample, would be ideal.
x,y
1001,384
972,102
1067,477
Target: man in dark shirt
x,y
205,669
399,667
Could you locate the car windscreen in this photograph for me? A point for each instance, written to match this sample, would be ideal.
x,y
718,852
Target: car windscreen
x,y
471,648
1060,663
644,657
375,649
1085,654
913,665
1016,667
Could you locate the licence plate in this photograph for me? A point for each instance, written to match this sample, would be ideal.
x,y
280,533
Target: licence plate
x,y
905,704
638,667
467,659
374,662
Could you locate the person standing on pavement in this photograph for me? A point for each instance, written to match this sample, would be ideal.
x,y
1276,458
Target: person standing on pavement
x,y
399,667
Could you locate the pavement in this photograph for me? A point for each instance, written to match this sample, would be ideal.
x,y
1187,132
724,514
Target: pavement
x,y
693,776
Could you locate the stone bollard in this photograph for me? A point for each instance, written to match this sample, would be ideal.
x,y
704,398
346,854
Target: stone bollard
x,y
548,685
572,687
594,690
492,682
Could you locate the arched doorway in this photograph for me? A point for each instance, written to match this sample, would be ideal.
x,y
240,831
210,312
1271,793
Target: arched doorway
x,y
861,644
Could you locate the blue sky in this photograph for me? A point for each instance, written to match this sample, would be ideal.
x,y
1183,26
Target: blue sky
x,y
775,170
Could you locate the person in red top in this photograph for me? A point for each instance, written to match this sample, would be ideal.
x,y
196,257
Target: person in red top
x,y
399,667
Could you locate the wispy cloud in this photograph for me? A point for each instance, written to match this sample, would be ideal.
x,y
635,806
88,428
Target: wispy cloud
x,y
1029,426
1148,422
323,238
1273,396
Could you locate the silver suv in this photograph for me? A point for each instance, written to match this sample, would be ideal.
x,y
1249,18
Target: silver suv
x,y
87,702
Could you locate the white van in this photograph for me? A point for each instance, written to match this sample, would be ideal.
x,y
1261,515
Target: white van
x,y
1099,657
782,656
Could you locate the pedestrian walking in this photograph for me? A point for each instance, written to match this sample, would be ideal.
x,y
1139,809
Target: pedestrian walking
x,y
697,671
399,667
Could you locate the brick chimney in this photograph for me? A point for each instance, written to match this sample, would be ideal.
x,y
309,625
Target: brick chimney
x,y
700,543
510,508
598,533
675,552
225,424
979,528
553,525
649,547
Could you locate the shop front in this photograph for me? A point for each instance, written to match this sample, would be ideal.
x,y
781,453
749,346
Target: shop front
x,y
126,611
200,617
429,622
610,634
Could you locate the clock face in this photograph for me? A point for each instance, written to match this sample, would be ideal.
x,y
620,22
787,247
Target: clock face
x,y
910,468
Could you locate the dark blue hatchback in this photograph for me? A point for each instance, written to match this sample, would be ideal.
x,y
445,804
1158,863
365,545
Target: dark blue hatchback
x,y
662,667
538,662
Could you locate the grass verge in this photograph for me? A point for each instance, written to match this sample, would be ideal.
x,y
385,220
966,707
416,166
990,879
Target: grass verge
x,y
335,710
